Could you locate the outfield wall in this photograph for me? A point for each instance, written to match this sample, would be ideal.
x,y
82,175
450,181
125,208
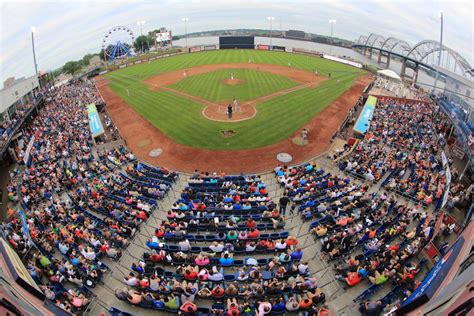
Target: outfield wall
x,y
213,45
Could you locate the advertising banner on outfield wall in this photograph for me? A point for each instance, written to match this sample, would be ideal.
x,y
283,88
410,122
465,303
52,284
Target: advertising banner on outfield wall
x,y
278,48
210,47
195,49
263,47
289,49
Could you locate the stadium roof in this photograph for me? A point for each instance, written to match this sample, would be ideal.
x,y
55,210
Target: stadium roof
x,y
389,73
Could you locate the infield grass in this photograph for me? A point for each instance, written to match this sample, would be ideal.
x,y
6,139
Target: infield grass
x,y
212,86
277,119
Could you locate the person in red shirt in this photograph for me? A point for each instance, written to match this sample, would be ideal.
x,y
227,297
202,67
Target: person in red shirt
x,y
191,273
353,278
232,307
291,241
217,291
253,233
144,283
159,232
250,223
188,308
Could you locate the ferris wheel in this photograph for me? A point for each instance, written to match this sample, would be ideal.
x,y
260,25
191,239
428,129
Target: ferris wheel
x,y
118,43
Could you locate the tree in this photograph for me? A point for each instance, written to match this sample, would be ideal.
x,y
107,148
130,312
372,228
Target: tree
x,y
72,67
102,56
85,60
142,43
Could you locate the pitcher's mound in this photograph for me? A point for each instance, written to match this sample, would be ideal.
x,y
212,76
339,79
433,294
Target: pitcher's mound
x,y
233,82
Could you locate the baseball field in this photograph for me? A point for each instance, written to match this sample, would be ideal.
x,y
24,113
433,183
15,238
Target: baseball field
x,y
277,93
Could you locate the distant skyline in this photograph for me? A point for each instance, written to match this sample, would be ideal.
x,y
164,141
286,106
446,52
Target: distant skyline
x,y
67,30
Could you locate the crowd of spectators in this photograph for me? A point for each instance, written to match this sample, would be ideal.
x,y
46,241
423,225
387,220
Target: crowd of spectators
x,y
370,237
9,125
223,241
80,206
403,144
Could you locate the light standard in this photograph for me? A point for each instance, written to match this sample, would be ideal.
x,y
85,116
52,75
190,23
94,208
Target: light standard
x,y
185,20
141,30
271,19
440,48
332,22
33,31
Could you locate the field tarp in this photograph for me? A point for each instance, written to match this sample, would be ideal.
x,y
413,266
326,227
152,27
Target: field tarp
x,y
363,122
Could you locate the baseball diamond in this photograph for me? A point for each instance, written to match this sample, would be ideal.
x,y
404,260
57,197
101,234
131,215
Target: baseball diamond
x,y
154,161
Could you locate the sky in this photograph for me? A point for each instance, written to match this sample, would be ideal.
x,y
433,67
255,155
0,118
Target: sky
x,y
67,30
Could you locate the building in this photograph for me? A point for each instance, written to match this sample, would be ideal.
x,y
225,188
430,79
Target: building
x,y
95,62
21,92
460,90
295,34
10,81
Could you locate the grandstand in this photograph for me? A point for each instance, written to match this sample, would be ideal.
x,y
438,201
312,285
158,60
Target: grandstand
x,y
378,222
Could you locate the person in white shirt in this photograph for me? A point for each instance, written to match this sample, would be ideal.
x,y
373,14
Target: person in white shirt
x,y
131,280
89,254
184,245
216,247
303,268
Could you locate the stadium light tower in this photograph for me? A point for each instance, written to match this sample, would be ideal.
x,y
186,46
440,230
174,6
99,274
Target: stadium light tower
x,y
440,48
185,20
271,19
141,22
33,31
332,22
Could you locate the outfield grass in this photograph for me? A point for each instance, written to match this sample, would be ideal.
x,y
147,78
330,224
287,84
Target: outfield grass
x,y
276,119
211,86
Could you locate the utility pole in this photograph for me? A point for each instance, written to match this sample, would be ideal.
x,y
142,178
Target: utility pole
x,y
440,48
271,19
185,20
332,22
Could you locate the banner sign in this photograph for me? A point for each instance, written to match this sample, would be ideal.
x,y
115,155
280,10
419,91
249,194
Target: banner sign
x,y
94,120
363,122
27,158
163,37
263,47
432,252
138,62
278,48
289,49
26,230
444,159
195,49
343,61
433,280
210,47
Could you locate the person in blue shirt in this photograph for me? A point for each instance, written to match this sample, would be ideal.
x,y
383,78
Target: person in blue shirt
x,y
278,306
363,272
237,206
226,260
296,255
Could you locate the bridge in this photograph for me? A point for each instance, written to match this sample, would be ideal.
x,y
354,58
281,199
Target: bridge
x,y
422,55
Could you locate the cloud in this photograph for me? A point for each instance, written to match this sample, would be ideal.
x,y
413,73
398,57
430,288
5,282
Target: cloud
x,y
66,30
